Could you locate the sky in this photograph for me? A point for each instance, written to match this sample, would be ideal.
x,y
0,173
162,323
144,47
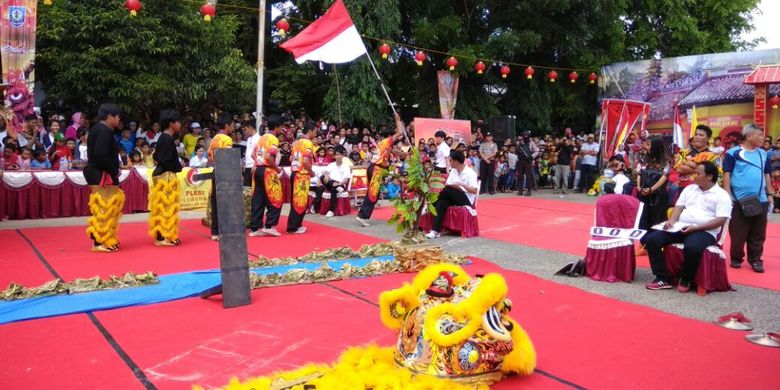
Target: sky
x,y
765,24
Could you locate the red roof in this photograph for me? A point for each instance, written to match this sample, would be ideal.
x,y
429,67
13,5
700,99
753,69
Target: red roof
x,y
764,74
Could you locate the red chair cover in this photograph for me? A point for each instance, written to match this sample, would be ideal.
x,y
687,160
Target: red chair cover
x,y
457,219
613,259
342,207
711,274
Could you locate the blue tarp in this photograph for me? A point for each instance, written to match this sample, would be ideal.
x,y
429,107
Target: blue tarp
x,y
171,287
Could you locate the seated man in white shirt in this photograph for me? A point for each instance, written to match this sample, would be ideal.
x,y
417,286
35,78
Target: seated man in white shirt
x,y
460,190
697,219
334,180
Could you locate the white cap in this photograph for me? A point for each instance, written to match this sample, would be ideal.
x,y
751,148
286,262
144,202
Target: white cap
x,y
195,125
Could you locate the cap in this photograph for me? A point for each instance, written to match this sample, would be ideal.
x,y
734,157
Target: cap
x,y
59,137
195,125
489,134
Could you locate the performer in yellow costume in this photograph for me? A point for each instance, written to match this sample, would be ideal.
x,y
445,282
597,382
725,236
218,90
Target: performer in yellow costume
x,y
223,139
302,156
102,174
164,191
267,193
378,170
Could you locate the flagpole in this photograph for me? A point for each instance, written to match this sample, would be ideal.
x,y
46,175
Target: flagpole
x,y
260,65
381,83
338,91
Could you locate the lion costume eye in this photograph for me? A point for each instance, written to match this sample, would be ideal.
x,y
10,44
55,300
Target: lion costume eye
x,y
492,324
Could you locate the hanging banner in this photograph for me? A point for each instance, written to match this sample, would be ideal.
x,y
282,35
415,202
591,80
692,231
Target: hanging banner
x,y
17,47
618,118
448,93
459,130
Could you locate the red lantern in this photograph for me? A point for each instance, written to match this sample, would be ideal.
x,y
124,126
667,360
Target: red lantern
x,y
573,76
504,71
419,58
133,6
479,67
209,11
384,50
47,2
775,102
552,75
452,62
282,26
529,72
593,77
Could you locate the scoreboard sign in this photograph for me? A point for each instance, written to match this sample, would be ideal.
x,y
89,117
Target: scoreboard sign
x,y
631,234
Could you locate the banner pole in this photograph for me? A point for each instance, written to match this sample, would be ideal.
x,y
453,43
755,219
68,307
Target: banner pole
x,y
260,65
382,84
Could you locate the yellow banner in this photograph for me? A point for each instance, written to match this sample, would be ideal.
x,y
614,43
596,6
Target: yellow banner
x,y
194,193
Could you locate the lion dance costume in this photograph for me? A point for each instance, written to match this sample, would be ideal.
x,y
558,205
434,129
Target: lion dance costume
x,y
105,204
164,209
454,332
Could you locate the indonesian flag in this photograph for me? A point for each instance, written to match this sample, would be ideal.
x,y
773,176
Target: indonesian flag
x,y
332,38
677,131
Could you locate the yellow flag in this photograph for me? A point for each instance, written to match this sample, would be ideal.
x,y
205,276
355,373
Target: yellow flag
x,y
694,124
621,138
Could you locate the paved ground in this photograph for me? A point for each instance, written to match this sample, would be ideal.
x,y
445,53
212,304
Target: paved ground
x,y
758,304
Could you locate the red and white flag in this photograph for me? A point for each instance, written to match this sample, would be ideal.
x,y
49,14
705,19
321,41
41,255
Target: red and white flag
x,y
677,131
332,38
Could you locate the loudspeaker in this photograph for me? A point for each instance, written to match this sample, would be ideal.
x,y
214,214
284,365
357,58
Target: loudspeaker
x,y
503,128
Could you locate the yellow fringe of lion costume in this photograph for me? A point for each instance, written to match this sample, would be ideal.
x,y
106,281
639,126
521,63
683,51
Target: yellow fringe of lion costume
x,y
105,204
164,207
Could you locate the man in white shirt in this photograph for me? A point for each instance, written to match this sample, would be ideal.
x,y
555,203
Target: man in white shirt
x,y
460,190
335,180
442,163
696,221
252,137
590,153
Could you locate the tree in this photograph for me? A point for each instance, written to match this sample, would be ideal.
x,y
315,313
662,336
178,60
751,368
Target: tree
x,y
167,56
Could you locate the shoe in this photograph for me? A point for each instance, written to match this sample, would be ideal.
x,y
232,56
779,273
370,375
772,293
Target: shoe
x,y
256,233
683,287
103,248
658,285
735,263
311,210
164,243
564,192
300,230
271,232
214,238
758,266
528,193
329,214
363,222
433,234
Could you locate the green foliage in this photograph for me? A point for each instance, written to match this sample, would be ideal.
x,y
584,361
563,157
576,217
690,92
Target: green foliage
x,y
90,52
419,188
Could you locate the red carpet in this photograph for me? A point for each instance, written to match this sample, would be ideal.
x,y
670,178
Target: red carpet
x,y
67,249
564,227
18,262
586,339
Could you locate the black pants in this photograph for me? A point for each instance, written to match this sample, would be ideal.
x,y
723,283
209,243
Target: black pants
x,y
330,186
750,231
694,245
247,177
448,197
525,171
487,174
295,219
214,217
586,176
367,208
260,203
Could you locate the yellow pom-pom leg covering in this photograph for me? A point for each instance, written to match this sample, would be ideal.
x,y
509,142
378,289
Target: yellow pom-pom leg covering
x,y
164,208
105,204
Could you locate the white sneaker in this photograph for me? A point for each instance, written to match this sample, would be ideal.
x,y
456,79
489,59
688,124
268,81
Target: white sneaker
x,y
300,230
363,222
433,234
214,238
271,232
311,210
256,233
329,214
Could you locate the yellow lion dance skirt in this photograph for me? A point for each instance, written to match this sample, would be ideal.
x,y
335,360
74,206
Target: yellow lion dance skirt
x,y
105,204
164,207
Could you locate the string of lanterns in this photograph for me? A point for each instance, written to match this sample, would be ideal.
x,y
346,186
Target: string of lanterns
x,y
209,11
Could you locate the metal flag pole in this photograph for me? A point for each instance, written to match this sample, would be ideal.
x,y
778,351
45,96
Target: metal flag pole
x,y
384,89
260,65
338,92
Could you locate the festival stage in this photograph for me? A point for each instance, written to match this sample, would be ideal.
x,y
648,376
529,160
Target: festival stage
x,y
583,340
